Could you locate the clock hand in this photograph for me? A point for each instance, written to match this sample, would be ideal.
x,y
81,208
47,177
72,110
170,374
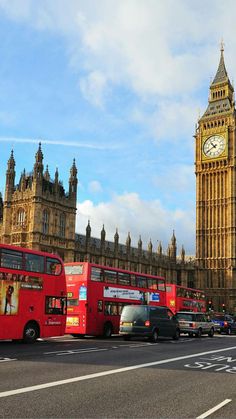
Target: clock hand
x,y
213,145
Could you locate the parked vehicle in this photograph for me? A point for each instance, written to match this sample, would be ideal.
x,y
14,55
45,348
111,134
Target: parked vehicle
x,y
223,323
148,321
195,324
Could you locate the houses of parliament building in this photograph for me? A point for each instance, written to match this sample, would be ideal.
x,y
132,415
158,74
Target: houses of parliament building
x,y
38,213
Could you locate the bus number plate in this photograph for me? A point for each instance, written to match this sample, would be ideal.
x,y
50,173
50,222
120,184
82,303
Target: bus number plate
x,y
72,321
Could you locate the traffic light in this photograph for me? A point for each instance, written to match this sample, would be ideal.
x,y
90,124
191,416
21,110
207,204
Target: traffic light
x,y
209,306
223,307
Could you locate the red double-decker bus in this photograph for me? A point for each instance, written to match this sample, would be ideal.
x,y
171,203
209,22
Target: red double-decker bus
x,y
180,298
32,294
96,295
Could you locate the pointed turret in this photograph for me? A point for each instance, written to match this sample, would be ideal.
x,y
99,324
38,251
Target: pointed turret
x,y
182,254
221,97
11,162
88,237
116,240
22,184
128,241
103,234
150,246
173,239
88,230
172,246
56,175
46,174
38,165
10,178
159,249
221,74
56,181
140,244
73,181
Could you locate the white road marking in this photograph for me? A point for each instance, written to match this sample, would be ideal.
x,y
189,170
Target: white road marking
x,y
105,373
59,352
81,352
214,409
7,359
75,351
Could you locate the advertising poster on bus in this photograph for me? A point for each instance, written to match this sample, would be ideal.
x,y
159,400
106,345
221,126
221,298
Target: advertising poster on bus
x,y
9,297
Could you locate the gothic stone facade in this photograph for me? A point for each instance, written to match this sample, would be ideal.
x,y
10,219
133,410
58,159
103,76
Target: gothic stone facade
x,y
37,213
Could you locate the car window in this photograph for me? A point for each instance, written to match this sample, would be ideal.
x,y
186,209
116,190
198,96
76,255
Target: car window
x,y
131,313
185,316
153,312
199,317
162,313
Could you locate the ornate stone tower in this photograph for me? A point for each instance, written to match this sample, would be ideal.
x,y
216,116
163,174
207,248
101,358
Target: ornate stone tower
x,y
37,212
215,161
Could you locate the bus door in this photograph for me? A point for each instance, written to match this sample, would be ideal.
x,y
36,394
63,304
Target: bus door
x,y
77,309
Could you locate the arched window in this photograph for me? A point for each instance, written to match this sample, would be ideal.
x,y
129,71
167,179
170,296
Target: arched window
x,y
21,217
45,226
62,225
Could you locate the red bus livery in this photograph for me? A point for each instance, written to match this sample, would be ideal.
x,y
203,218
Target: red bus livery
x,y
96,295
180,298
32,294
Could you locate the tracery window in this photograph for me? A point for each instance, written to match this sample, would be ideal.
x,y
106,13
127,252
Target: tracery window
x,y
21,217
62,225
45,222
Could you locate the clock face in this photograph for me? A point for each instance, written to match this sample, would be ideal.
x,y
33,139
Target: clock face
x,y
214,146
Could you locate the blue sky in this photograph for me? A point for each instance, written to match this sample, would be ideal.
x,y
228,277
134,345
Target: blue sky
x,y
119,86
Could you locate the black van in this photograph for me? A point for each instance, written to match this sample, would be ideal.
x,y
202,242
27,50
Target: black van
x,y
148,321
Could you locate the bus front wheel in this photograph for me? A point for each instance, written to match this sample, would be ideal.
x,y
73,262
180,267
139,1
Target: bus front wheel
x,y
108,330
31,332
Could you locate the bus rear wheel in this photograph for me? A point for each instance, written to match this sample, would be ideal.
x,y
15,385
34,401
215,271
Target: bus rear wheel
x,y
31,332
107,330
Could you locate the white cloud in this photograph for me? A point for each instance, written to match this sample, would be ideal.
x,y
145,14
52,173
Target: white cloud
x,y
170,119
176,178
150,219
93,88
160,50
95,186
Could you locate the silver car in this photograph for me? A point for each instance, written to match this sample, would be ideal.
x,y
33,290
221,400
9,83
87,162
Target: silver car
x,y
195,324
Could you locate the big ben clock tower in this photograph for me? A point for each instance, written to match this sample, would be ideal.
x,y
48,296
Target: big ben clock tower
x,y
215,165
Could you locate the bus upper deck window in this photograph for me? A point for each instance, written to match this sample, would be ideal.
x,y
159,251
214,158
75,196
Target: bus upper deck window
x,y
11,259
34,263
53,266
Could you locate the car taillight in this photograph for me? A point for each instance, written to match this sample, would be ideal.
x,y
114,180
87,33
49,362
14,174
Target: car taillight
x,y
147,323
226,324
192,324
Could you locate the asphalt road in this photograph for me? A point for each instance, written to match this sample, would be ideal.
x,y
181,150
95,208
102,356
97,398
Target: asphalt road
x,y
97,378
